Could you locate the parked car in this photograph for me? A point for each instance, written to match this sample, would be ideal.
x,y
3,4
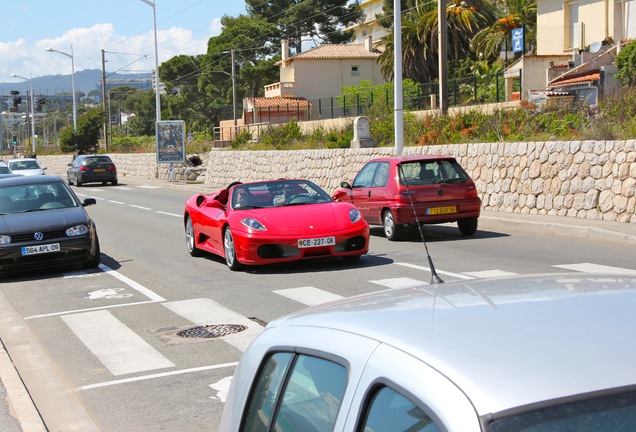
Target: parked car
x,y
5,171
92,169
272,222
44,225
399,191
538,353
26,167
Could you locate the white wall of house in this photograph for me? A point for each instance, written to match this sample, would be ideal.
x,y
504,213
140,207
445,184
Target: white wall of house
x,y
322,78
565,26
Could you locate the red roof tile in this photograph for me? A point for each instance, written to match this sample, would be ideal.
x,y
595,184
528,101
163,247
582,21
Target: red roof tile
x,y
262,102
331,51
595,76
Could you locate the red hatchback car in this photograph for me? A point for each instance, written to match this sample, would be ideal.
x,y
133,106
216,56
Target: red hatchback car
x,y
390,191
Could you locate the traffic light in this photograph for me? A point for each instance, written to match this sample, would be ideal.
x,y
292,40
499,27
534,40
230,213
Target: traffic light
x,y
41,102
16,101
15,140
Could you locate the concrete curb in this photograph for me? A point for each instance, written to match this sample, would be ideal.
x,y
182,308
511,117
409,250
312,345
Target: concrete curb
x,y
62,409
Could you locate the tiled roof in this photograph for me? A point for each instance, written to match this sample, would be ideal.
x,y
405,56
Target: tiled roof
x,y
588,77
262,102
331,51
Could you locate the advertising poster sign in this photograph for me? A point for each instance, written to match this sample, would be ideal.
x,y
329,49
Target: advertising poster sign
x,y
517,40
170,137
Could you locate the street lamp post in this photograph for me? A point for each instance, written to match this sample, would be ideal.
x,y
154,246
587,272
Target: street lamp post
x,y
32,119
72,81
152,4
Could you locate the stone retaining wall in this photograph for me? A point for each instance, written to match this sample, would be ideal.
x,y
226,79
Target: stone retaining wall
x,y
589,179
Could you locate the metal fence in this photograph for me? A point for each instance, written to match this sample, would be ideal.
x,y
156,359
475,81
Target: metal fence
x,y
461,92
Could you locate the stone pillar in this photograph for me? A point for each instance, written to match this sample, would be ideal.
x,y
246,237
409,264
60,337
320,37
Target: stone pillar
x,y
361,137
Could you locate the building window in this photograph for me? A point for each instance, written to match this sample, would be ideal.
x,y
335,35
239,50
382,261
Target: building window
x,y
355,70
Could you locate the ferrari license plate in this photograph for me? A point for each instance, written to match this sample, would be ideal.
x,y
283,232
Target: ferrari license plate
x,y
99,170
441,210
316,242
39,249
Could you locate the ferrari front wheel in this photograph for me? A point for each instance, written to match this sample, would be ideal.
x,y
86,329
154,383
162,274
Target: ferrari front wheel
x,y
230,250
190,239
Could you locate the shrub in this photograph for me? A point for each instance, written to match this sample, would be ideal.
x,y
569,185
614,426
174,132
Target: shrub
x,y
283,136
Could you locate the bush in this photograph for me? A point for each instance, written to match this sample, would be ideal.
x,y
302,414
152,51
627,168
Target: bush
x,y
283,136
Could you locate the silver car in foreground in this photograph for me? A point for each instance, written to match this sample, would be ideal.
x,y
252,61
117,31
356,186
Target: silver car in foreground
x,y
533,354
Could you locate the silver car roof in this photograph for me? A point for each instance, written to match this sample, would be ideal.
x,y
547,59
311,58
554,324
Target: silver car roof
x,y
504,342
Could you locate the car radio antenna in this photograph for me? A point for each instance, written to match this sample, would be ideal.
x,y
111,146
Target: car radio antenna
x,y
435,279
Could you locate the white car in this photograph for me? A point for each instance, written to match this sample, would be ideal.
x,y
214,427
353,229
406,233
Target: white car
x,y
25,166
524,354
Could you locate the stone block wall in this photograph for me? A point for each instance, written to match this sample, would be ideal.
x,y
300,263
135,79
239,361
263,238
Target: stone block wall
x,y
583,179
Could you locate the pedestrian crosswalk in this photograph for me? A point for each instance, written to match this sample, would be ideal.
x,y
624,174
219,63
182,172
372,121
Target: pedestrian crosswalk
x,y
124,352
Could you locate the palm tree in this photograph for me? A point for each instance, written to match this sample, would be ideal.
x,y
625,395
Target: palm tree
x,y
513,14
465,19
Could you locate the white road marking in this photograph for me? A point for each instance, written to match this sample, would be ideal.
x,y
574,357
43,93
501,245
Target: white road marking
x,y
120,349
149,187
131,283
402,282
169,214
417,267
204,311
157,375
222,387
490,274
139,207
309,296
52,314
596,268
116,202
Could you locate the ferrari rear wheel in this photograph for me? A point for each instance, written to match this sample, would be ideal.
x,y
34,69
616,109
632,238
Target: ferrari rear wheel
x,y
190,239
391,229
230,250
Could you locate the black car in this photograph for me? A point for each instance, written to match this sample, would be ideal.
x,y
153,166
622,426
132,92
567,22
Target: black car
x,y
92,169
43,224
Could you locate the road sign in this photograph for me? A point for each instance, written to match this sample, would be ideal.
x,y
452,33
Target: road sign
x,y
517,40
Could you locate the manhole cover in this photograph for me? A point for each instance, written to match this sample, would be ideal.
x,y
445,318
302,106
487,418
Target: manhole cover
x,y
212,331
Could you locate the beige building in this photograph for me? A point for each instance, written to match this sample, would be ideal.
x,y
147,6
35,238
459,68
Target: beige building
x,y
577,42
368,25
321,72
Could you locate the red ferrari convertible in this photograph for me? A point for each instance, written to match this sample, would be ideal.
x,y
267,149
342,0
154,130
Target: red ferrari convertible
x,y
272,222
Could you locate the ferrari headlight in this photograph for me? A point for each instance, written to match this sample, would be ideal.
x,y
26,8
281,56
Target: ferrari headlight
x,y
253,224
354,215
4,239
77,230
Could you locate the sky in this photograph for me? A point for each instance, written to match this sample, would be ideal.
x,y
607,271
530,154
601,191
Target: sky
x,y
123,28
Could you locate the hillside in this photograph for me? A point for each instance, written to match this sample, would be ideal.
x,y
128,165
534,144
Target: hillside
x,y
85,81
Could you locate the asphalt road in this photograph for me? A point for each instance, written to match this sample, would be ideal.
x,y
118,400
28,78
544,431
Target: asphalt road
x,y
119,348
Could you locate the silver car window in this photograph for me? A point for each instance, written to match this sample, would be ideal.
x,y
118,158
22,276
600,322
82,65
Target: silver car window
x,y
296,393
389,411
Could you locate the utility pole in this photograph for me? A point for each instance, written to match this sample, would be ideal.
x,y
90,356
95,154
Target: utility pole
x,y
442,40
398,100
233,93
104,99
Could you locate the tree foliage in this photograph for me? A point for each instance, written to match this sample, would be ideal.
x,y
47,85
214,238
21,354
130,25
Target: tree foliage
x,y
420,47
295,20
85,139
626,64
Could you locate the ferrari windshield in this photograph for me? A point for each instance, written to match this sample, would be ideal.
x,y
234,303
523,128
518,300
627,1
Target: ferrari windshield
x,y
35,197
277,194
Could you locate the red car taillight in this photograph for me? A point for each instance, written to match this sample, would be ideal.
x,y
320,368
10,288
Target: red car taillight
x,y
84,168
472,192
112,168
